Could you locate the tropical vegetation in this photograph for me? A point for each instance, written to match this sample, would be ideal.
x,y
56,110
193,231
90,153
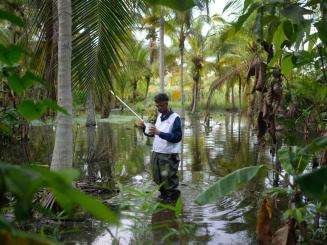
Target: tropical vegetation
x,y
64,61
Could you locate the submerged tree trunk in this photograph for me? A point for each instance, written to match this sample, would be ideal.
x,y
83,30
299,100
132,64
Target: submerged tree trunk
x,y
181,50
62,153
233,97
162,56
90,121
197,61
240,93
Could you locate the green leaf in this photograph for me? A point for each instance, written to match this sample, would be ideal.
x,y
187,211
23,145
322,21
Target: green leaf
x,y
119,168
294,160
20,84
287,65
15,84
276,57
51,104
279,37
180,5
29,79
93,206
284,158
239,23
24,182
11,54
228,184
246,4
302,58
288,30
316,145
30,110
314,184
178,207
322,31
5,15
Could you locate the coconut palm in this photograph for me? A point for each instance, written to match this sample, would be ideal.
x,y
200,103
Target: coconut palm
x,y
230,63
137,66
62,153
196,56
178,34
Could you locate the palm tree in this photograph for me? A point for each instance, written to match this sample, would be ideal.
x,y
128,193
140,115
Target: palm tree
x,y
151,20
99,38
136,66
230,64
181,23
62,153
155,18
196,55
162,53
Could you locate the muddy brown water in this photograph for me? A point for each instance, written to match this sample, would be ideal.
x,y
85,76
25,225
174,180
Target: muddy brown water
x,y
115,153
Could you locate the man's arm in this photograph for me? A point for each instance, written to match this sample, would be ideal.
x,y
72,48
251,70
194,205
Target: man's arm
x,y
176,134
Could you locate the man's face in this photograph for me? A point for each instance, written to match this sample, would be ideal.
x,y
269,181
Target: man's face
x,y
162,106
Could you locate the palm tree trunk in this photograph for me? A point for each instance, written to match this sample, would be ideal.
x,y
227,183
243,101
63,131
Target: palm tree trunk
x,y
90,121
181,49
152,46
162,55
240,92
62,156
196,95
147,79
233,97
134,91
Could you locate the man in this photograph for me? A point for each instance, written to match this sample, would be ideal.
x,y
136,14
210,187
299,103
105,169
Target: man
x,y
167,134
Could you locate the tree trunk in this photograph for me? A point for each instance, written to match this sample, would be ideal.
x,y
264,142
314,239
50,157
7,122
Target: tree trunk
x,y
240,92
196,95
62,156
152,46
162,56
233,97
147,79
181,49
134,91
90,121
227,95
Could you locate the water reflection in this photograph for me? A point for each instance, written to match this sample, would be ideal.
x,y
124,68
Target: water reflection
x,y
112,152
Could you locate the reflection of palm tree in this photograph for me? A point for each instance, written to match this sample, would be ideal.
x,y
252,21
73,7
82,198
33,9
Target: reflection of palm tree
x,y
196,145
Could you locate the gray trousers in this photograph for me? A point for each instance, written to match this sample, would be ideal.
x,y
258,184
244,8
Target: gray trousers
x,y
164,172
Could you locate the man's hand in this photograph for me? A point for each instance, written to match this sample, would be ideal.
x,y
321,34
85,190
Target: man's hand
x,y
154,130
140,123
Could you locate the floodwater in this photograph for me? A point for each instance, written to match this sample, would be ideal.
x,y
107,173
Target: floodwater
x,y
116,154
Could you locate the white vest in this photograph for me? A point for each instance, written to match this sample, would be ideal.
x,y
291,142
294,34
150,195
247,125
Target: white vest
x,y
163,146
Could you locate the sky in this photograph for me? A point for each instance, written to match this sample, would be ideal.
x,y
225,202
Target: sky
x,y
215,7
